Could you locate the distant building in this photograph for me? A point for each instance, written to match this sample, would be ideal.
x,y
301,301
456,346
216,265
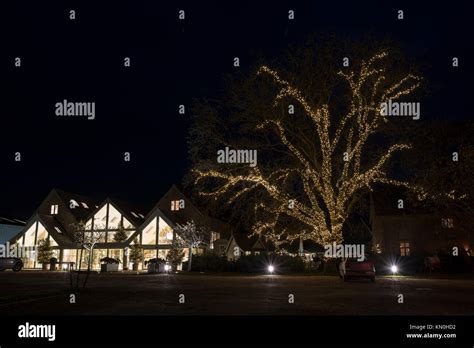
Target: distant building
x,y
410,231
240,244
9,227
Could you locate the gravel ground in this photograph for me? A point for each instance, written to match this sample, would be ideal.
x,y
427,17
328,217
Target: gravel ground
x,y
34,292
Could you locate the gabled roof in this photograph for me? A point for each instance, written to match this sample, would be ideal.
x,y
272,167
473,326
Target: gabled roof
x,y
12,221
127,209
182,216
246,243
223,228
134,213
51,224
86,205
308,246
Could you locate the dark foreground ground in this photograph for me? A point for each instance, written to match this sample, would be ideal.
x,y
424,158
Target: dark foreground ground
x,y
33,292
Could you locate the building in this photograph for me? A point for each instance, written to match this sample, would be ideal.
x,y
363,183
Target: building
x,y
240,244
401,230
55,220
9,227
62,215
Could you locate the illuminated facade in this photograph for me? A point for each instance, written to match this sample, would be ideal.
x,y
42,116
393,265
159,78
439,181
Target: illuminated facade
x,y
60,215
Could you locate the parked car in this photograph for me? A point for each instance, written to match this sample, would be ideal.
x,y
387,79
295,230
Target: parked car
x,y
13,263
352,268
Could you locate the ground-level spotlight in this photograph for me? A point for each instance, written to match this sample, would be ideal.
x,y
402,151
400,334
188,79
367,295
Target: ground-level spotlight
x,y
394,269
271,269
167,268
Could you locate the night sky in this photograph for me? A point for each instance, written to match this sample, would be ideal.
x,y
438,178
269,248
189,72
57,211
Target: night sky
x,y
172,62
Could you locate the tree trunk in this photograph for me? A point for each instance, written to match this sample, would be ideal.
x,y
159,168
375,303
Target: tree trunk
x,y
89,266
190,261
125,261
79,269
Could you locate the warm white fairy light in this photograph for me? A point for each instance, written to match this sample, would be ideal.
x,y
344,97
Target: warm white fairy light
x,y
328,196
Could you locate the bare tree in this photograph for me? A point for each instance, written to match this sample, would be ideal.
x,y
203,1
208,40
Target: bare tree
x,y
312,132
192,236
87,239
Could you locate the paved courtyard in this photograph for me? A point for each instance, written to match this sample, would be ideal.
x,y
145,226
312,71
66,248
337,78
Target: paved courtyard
x,y
35,292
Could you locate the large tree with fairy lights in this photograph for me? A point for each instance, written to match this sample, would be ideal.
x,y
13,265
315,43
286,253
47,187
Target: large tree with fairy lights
x,y
319,133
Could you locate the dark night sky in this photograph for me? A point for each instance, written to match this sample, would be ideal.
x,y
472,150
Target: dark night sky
x,y
172,63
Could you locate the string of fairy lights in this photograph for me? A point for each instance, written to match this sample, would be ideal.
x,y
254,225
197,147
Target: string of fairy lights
x,y
327,202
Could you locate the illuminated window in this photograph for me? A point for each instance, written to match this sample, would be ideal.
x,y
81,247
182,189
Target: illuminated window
x,y
177,205
54,209
126,223
447,223
149,254
73,204
100,218
149,233
30,235
404,248
42,233
214,236
114,217
162,254
85,205
89,224
57,229
165,234
69,255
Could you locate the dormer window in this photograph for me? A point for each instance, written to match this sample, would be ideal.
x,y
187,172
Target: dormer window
x,y
85,205
73,204
54,209
177,205
447,223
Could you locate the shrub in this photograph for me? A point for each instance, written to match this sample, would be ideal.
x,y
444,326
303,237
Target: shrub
x,y
210,262
155,261
109,260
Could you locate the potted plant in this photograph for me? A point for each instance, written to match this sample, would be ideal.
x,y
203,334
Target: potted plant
x,y
52,263
109,264
136,255
45,253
